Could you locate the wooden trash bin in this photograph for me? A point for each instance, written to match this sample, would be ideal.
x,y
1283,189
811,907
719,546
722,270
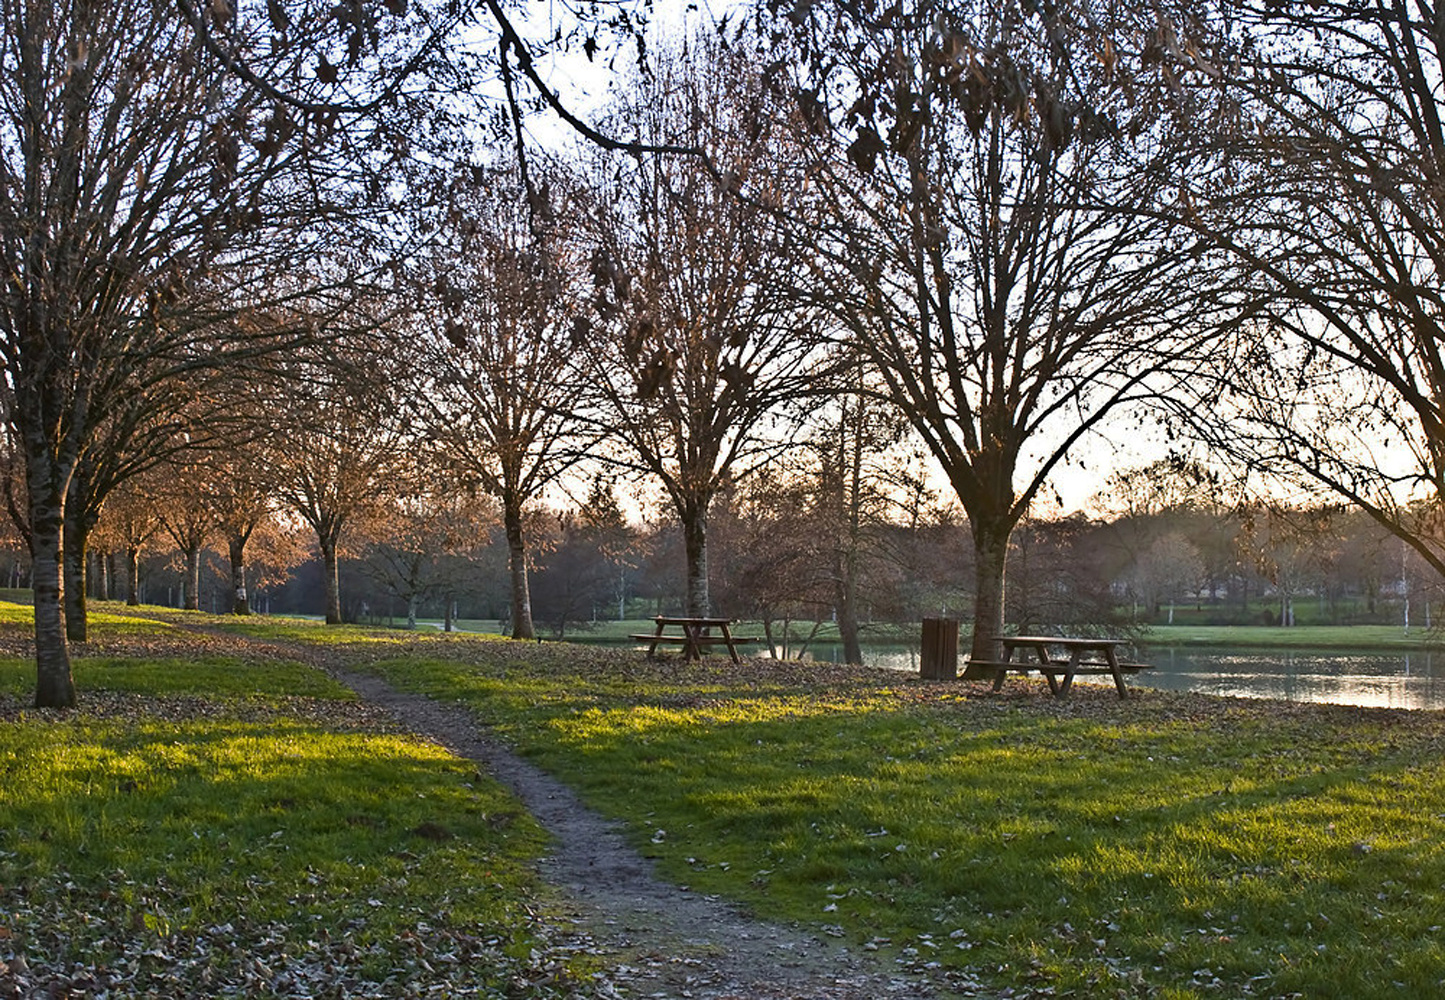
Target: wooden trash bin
x,y
939,661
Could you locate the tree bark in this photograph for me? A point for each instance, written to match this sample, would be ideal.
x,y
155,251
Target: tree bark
x,y
990,546
333,580
847,596
236,549
132,573
694,532
73,560
99,577
193,579
522,627
54,685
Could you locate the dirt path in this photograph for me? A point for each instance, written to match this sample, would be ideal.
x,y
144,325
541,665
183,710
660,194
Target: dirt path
x,y
668,942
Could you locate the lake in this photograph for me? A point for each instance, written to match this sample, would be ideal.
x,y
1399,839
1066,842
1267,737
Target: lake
x,y
1386,680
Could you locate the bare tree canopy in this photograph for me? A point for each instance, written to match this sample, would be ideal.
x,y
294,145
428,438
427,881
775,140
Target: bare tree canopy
x,y
995,248
341,447
499,363
1325,182
143,188
697,345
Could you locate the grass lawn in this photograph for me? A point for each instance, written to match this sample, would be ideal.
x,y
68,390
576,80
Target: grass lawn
x,y
240,825
1171,846
1312,637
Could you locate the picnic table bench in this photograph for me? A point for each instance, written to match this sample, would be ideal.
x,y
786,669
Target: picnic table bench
x,y
694,636
1059,658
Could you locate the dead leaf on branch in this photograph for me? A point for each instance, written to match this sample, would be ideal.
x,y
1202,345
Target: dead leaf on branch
x,y
864,150
814,112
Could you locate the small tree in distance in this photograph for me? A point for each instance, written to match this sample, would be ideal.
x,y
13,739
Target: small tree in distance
x,y
339,449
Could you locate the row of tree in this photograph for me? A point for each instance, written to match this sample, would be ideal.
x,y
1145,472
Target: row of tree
x,y
298,247
777,544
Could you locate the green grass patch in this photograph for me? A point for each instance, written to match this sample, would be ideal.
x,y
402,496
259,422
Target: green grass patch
x,y
115,621
261,836
1313,637
310,630
1167,846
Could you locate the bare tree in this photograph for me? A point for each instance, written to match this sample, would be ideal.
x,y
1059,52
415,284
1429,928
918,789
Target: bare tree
x,y
188,516
699,350
152,422
500,371
420,534
130,521
1327,182
996,249
863,453
137,174
242,503
340,448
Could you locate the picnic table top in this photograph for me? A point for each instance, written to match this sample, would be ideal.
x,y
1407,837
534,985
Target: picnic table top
x,y
688,620
1060,640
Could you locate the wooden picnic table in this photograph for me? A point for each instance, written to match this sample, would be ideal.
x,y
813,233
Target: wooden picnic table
x,y
1059,658
695,635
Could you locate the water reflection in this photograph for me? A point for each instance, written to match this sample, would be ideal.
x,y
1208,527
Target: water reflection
x,y
1384,680
1407,680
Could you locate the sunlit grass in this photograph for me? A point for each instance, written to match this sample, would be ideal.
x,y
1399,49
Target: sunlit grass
x,y
1141,849
317,632
1166,846
1314,637
173,827
114,621
264,806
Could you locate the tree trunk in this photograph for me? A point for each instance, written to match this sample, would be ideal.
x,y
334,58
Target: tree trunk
x,y
990,547
852,454
112,585
333,580
846,599
450,613
411,612
694,532
236,548
132,572
193,579
522,627
54,685
73,559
